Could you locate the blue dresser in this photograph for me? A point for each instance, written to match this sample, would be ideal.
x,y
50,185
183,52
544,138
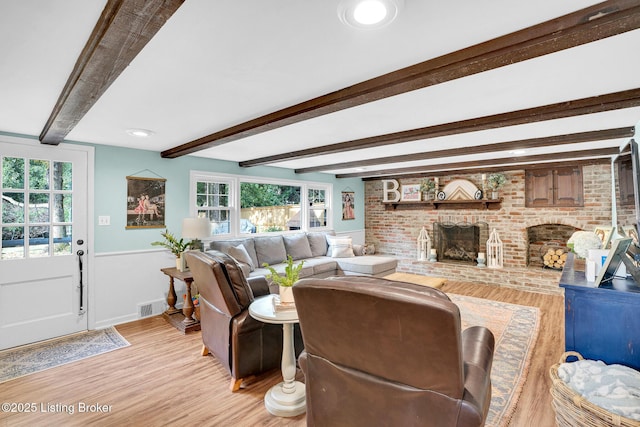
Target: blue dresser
x,y
601,323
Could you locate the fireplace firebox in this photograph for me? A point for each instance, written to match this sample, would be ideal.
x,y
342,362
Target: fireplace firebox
x,y
460,242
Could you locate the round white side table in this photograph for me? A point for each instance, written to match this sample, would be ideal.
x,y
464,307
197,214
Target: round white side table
x,y
287,398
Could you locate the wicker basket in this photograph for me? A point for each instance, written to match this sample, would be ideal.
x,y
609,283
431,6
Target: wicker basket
x,y
573,410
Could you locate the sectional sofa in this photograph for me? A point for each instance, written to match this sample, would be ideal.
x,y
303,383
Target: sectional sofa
x,y
324,255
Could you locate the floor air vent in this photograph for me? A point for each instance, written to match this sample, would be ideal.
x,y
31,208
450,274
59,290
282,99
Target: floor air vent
x,y
151,308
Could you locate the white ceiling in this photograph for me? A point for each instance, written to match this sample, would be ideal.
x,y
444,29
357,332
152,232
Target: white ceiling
x,y
216,64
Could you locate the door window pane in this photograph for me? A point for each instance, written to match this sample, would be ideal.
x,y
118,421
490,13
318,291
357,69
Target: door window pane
x,y
38,207
62,208
38,241
13,173
12,208
12,243
62,176
38,174
61,240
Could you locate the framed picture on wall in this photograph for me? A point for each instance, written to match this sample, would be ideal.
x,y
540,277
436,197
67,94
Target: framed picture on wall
x,y
348,200
145,202
411,193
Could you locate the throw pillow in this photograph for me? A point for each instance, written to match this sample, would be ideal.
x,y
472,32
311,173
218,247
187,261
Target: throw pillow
x,y
358,250
340,247
318,243
270,250
297,246
240,254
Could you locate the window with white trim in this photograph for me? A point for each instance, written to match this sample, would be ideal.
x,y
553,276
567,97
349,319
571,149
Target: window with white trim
x,y
238,205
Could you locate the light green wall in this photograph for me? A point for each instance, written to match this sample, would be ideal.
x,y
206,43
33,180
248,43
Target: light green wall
x,y
114,164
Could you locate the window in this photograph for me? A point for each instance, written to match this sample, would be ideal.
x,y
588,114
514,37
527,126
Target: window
x,y
213,201
243,205
36,208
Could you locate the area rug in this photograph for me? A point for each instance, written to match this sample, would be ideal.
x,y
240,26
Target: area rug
x,y
28,359
515,328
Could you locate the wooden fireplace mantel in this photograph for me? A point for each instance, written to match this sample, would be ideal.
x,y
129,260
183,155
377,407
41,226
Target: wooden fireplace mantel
x,y
491,204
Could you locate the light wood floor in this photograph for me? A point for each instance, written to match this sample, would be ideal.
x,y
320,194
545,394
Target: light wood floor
x,y
161,379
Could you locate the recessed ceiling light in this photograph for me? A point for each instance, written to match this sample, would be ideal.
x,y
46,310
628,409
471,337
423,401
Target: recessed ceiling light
x,y
140,133
517,151
369,14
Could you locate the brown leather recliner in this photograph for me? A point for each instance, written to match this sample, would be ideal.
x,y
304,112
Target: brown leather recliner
x,y
387,353
245,346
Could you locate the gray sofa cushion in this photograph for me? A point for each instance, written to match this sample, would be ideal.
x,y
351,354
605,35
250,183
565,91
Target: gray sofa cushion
x,y
224,245
321,265
270,250
371,265
318,243
297,245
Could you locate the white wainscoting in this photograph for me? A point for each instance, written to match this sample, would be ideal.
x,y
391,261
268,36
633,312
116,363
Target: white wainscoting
x,y
123,280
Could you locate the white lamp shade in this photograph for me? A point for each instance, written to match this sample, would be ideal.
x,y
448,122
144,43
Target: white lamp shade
x,y
196,228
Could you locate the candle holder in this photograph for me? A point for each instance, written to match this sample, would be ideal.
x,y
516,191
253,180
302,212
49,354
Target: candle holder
x,y
482,262
433,256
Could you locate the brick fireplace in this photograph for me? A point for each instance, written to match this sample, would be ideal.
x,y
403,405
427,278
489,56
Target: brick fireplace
x,y
394,231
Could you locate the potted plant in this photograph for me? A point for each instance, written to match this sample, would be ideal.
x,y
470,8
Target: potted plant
x,y
496,181
175,246
428,188
285,283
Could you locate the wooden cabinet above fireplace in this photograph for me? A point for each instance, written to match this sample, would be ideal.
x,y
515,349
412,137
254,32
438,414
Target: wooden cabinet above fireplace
x,y
446,204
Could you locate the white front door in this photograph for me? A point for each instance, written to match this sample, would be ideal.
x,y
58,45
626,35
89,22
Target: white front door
x,y
43,220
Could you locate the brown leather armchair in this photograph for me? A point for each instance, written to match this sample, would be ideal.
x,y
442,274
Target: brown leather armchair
x,y
245,346
386,353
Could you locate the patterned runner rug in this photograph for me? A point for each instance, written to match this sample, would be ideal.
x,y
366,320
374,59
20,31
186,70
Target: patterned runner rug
x,y
515,328
28,359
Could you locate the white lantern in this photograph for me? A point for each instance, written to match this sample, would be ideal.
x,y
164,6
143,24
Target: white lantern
x,y
494,251
424,245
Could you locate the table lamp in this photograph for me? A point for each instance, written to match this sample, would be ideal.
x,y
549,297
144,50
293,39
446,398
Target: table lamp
x,y
196,229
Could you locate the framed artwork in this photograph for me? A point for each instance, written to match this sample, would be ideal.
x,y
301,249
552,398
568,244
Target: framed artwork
x,y
411,192
348,199
145,202
604,233
631,231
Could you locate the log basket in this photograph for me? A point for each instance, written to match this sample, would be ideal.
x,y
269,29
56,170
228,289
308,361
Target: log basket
x,y
573,410
553,255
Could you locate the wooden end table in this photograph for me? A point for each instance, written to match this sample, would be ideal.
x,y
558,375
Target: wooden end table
x,y
181,320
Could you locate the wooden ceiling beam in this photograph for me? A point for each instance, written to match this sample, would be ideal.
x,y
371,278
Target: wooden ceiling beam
x,y
122,31
505,168
459,166
600,21
574,138
591,105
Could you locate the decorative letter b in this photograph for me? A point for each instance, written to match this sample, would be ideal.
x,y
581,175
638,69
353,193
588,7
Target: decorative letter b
x,y
390,191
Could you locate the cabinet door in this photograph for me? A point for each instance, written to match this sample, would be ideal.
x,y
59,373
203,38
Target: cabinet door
x,y
568,187
553,187
539,187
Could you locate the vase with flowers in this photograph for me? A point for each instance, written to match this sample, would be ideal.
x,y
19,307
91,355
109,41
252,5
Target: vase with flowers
x,y
581,241
428,188
496,181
